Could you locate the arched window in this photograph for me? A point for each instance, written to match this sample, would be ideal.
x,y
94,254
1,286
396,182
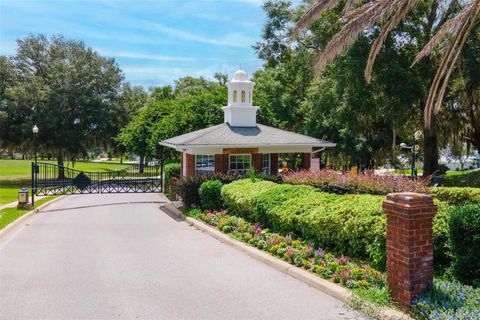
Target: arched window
x,y
235,96
243,96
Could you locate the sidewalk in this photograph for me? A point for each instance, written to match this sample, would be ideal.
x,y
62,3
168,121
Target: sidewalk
x,y
15,203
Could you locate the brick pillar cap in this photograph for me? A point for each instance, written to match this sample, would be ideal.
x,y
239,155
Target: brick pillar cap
x,y
409,197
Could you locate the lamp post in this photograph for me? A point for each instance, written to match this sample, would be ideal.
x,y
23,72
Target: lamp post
x,y
34,166
416,136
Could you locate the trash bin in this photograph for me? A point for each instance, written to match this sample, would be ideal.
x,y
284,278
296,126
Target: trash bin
x,y
23,196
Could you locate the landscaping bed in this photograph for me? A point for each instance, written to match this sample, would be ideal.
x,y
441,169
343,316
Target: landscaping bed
x,y
351,273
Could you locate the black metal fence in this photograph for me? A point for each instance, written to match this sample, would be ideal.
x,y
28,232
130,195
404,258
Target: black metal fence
x,y
52,179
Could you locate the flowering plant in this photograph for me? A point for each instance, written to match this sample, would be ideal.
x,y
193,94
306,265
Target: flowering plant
x,y
338,182
343,270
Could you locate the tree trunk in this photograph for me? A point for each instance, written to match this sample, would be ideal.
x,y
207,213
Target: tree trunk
x,y
430,149
61,171
121,158
142,163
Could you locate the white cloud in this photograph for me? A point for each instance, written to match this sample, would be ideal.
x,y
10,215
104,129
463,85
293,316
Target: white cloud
x,y
143,56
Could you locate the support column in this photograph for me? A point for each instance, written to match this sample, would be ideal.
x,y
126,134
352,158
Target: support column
x,y
257,162
219,166
306,161
409,245
181,164
190,165
274,163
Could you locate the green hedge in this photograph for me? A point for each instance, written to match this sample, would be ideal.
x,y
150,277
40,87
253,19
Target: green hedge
x,y
240,196
464,229
269,200
457,196
210,194
171,170
350,224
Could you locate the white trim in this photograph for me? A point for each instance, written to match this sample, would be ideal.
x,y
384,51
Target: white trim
x,y
184,163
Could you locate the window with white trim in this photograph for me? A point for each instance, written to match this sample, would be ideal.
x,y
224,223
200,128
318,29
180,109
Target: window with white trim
x,y
204,164
266,163
240,163
235,96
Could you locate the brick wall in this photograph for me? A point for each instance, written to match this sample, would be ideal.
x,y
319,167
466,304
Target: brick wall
x,y
219,163
190,167
409,245
306,160
274,163
257,162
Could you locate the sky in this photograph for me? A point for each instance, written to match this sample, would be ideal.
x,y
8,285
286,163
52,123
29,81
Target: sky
x,y
154,42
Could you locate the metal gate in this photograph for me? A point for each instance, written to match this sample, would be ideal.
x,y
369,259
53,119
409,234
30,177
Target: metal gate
x,y
52,179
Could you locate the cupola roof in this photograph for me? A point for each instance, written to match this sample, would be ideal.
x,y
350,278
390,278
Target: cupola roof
x,y
240,76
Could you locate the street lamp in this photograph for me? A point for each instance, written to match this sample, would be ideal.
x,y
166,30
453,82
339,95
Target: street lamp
x,y
34,166
416,136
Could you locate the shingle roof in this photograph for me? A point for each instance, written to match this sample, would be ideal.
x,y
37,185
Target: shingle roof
x,y
224,135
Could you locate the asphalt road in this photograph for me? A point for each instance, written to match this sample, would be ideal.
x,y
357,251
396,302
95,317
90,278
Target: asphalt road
x,y
118,256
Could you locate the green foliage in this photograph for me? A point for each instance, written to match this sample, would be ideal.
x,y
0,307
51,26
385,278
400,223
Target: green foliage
x,y
240,196
464,229
210,194
441,247
348,224
193,212
447,301
171,170
342,270
457,195
269,200
188,187
64,87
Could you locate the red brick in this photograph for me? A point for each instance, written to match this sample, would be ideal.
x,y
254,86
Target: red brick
x,y
409,245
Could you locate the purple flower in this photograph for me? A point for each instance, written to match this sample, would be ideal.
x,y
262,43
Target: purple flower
x,y
290,252
319,253
311,245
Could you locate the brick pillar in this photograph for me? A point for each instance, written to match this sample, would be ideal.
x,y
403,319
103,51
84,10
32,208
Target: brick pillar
x,y
274,163
219,166
409,245
306,160
225,163
190,167
257,162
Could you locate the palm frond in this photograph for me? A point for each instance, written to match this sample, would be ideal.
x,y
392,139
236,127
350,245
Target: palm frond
x,y
351,5
371,13
377,44
451,26
313,13
442,76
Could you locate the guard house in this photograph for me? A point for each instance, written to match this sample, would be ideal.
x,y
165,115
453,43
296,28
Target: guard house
x,y
240,143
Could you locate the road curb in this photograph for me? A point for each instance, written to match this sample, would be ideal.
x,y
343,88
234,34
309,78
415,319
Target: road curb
x,y
308,278
14,224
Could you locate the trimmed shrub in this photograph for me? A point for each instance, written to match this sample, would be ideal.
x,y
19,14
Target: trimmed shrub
x,y
210,194
171,170
441,247
269,200
188,187
457,196
341,183
240,196
464,229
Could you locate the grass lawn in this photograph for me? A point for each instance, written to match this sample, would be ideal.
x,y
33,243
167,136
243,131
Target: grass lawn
x,y
15,174
9,215
470,178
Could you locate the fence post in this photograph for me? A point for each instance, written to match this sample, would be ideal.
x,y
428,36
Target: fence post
x,y
409,245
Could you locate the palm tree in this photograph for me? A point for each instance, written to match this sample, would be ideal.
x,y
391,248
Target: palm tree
x,y
359,16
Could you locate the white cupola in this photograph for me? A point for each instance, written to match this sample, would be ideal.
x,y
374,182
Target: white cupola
x,y
239,111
